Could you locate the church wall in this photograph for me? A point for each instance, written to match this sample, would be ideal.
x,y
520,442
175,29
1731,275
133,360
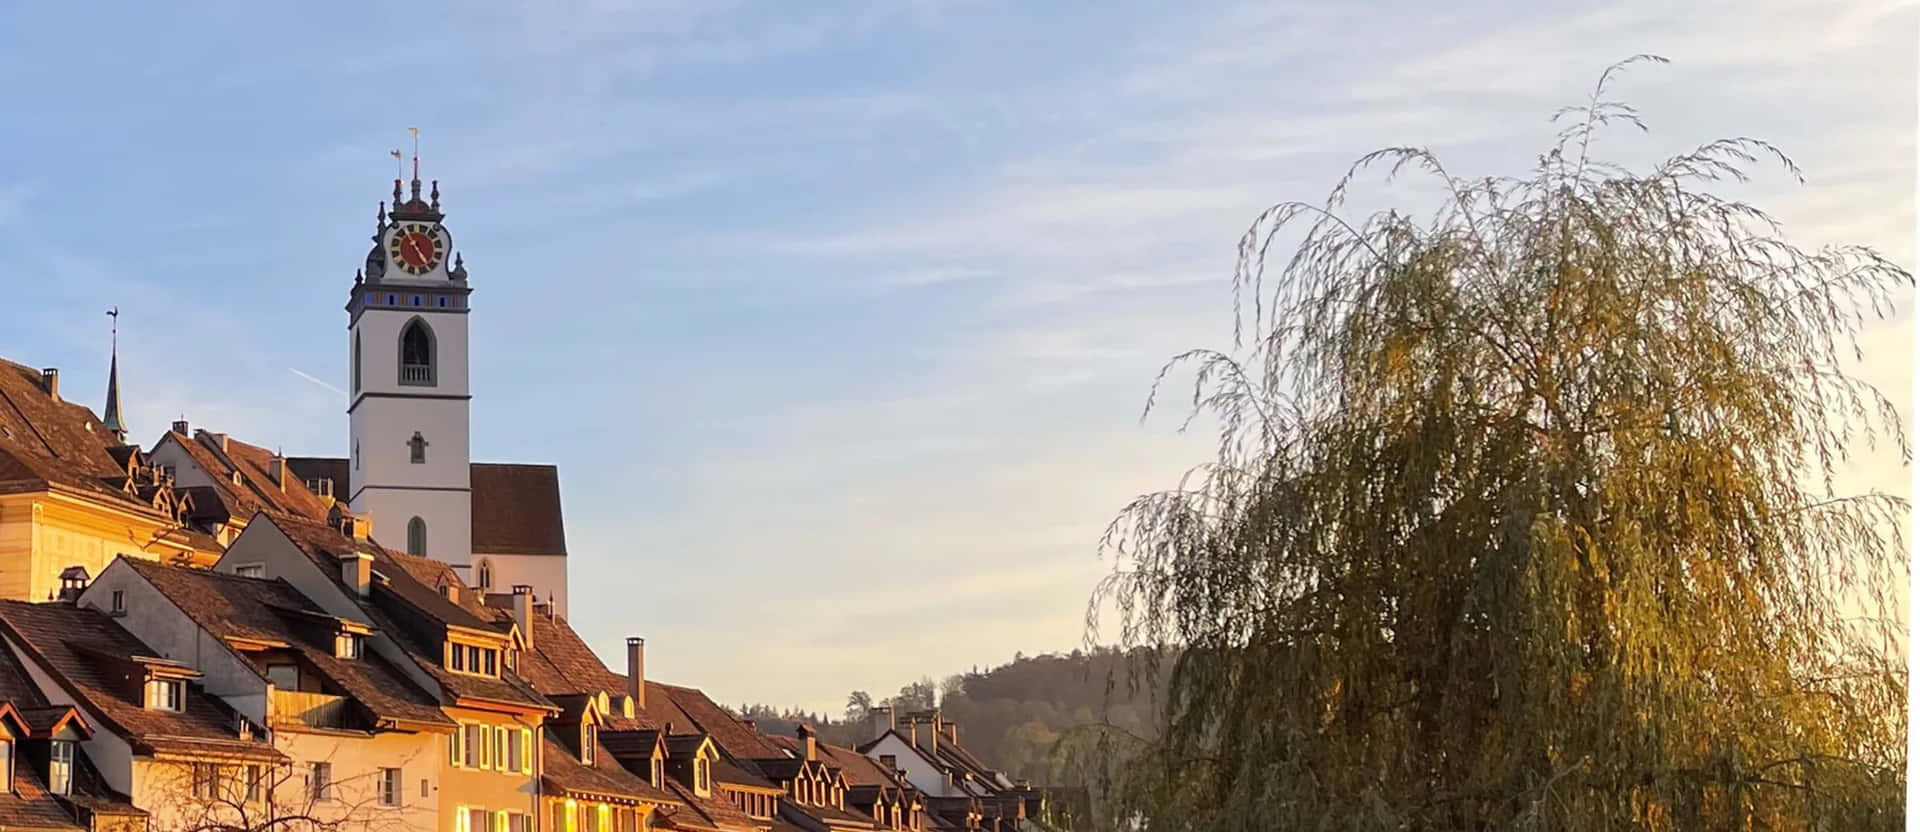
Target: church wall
x,y
547,574
379,331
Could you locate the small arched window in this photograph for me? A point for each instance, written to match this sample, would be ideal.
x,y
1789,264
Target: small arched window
x,y
486,575
416,354
356,361
417,537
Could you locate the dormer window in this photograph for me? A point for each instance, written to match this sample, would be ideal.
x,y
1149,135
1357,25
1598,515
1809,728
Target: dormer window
x,y
347,645
60,767
588,737
702,777
659,773
166,695
468,658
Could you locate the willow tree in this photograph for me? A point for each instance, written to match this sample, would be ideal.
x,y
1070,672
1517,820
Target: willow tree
x,y
1524,517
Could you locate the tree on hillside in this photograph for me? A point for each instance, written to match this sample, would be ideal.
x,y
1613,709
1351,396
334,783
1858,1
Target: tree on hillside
x,y
859,703
1524,518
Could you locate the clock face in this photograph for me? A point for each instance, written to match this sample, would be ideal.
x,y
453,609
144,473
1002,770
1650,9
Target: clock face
x,y
417,248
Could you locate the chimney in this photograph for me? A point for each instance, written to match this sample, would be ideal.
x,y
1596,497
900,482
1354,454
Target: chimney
x,y
73,581
277,470
805,733
933,733
913,733
180,426
953,732
356,571
50,379
879,721
523,610
219,440
637,671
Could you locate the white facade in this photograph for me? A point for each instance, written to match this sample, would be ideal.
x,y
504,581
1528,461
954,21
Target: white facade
x,y
409,448
547,574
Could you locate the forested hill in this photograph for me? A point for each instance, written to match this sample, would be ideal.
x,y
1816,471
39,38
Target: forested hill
x,y
1010,716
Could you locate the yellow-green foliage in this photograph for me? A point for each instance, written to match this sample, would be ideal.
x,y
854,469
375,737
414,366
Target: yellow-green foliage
x,y
1523,519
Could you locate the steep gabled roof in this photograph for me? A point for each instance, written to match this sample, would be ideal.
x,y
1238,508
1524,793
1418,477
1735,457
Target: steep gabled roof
x,y
47,443
230,606
415,615
255,489
94,660
562,772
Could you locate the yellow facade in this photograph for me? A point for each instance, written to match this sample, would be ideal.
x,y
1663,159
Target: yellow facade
x,y
44,532
489,770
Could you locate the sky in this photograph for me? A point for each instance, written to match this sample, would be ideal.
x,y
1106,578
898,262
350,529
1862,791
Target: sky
x,y
837,317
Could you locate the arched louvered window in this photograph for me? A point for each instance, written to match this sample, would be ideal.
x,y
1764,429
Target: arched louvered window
x,y
417,537
416,354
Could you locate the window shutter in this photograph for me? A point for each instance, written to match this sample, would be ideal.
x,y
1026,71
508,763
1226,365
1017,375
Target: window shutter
x,y
526,751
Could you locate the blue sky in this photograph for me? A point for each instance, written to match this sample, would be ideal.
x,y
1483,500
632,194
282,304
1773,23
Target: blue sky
x,y
837,317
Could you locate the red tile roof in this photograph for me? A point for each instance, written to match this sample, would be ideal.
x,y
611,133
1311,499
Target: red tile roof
x,y
93,659
516,507
55,443
229,606
562,772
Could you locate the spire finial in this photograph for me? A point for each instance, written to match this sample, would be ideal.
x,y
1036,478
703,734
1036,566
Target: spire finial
x,y
415,132
380,219
113,421
396,192
436,194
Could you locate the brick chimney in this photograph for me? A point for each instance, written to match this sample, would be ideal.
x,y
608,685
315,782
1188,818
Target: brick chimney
x,y
50,379
879,721
805,733
953,732
523,610
277,470
637,671
219,440
356,571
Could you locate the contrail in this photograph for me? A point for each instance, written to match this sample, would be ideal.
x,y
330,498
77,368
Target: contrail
x,y
316,381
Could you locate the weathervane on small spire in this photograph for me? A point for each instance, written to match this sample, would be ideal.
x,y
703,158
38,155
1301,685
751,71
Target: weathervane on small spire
x,y
112,420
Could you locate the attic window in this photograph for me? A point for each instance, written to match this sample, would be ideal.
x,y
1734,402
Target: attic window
x,y
251,570
468,658
588,734
166,695
702,777
347,645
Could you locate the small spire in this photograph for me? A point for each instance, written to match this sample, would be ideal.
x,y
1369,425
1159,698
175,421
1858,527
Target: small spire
x,y
436,194
380,219
396,192
459,270
114,422
357,277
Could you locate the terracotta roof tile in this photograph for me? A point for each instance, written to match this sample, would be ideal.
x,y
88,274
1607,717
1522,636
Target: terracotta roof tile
x,y
562,771
231,606
92,657
47,442
516,507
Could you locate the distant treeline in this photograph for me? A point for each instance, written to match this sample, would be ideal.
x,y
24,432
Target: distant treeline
x,y
1011,716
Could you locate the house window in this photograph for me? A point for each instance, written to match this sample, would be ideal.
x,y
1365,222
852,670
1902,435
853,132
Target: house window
x,y
516,754
119,602
477,820
60,767
587,736
416,354
284,676
700,776
253,784
417,537
319,782
6,765
417,449
347,645
658,773
490,657
166,695
456,756
390,787
563,814
626,817
251,570
204,775
474,747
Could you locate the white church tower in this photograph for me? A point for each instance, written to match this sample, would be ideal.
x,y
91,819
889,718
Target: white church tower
x,y
407,462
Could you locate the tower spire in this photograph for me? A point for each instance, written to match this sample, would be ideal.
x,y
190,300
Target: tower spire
x,y
115,423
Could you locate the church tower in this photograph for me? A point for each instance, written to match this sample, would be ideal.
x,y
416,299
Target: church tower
x,y
408,457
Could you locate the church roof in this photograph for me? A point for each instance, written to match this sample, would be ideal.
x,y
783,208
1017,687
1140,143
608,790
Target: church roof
x,y
516,506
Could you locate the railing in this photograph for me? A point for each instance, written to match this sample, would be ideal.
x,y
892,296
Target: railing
x,y
416,374
314,710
